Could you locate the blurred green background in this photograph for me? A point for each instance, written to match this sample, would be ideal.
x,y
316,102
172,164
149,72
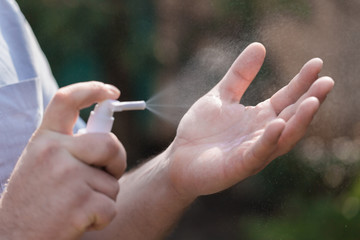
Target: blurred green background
x,y
142,46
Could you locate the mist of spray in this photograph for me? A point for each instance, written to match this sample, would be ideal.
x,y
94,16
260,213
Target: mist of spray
x,y
199,75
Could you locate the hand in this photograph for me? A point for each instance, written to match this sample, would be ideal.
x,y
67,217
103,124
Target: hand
x,y
220,142
62,184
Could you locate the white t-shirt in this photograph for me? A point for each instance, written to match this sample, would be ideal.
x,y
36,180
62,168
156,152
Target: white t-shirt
x,y
26,86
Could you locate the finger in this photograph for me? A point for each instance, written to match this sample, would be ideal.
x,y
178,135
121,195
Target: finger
x,y
296,127
297,86
319,89
102,182
99,212
257,157
100,150
232,87
63,110
99,180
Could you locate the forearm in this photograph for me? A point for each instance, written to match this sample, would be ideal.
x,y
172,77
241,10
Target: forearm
x,y
148,206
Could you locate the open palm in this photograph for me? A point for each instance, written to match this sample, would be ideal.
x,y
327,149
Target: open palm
x,y
220,142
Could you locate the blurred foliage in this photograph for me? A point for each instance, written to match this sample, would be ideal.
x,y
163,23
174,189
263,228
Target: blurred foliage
x,y
132,43
108,41
104,40
305,208
318,219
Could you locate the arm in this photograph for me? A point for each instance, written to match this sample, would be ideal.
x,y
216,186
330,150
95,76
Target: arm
x,y
219,142
148,205
57,189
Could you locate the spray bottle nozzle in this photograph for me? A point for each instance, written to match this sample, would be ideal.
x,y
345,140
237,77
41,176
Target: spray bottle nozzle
x,y
101,119
126,106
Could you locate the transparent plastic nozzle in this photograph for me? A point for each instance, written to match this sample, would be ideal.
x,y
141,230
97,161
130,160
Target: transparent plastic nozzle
x,y
101,119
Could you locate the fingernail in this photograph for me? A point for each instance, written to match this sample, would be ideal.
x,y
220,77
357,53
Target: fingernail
x,y
112,89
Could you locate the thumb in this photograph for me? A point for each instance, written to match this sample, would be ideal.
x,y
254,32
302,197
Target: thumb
x,y
63,110
238,78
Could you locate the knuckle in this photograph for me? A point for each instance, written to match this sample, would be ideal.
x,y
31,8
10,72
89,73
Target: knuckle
x,y
100,215
92,211
96,87
105,217
109,216
112,145
241,75
80,221
67,171
47,149
53,155
62,96
80,218
96,84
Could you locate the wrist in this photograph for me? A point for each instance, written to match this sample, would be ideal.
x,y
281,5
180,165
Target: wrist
x,y
149,197
157,174
168,175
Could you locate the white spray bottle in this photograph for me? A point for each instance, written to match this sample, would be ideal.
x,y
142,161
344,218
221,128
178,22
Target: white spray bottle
x,y
101,118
